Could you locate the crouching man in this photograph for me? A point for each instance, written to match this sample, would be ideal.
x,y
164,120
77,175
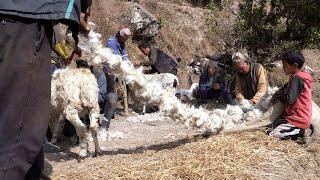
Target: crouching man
x,y
251,81
212,86
296,95
159,61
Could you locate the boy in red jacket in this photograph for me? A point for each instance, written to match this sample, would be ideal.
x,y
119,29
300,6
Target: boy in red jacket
x,y
296,95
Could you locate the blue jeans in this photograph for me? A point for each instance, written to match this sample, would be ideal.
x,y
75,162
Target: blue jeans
x,y
110,108
208,93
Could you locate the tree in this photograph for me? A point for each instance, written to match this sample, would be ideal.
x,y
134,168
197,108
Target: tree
x,y
268,27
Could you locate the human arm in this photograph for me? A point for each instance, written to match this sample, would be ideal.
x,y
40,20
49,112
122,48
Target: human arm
x,y
262,85
239,90
152,58
111,43
292,92
203,82
150,62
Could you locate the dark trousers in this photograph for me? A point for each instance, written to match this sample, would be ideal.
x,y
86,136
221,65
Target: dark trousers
x,y
110,105
282,129
24,93
209,93
35,171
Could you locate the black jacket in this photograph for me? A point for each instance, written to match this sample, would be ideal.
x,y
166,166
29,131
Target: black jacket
x,y
161,62
68,10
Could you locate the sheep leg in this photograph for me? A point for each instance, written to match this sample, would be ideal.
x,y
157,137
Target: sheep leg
x,y
54,125
55,129
81,131
144,108
94,127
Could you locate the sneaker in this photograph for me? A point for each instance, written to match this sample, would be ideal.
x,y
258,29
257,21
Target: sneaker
x,y
50,148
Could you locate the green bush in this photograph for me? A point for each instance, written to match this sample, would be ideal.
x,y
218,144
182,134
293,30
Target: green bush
x,y
269,27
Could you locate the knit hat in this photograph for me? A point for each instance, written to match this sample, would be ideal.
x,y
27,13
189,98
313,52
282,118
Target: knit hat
x,y
212,63
238,56
125,32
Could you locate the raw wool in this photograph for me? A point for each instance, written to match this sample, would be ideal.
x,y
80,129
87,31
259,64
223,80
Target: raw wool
x,y
74,93
147,118
166,79
110,135
154,92
265,100
181,93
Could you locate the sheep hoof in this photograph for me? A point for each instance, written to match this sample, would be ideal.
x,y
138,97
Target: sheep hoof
x,y
96,154
83,153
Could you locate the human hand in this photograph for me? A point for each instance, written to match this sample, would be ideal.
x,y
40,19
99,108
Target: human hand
x,y
251,102
77,51
215,86
136,64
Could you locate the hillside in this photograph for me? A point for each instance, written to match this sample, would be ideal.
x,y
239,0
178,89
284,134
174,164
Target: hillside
x,y
152,146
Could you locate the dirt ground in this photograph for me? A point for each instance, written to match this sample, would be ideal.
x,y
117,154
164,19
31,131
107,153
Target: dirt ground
x,y
130,135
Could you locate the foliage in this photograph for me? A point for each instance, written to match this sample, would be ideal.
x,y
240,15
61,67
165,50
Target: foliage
x,y
268,27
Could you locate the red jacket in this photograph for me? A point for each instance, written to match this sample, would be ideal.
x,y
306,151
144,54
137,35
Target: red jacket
x,y
299,113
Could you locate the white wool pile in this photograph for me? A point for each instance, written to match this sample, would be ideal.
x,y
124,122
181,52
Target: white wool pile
x,y
147,118
187,92
153,91
109,136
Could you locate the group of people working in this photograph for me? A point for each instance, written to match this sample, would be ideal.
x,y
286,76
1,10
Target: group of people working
x,y
26,41
251,84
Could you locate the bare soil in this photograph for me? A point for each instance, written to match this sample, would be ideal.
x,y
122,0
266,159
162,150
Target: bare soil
x,y
136,137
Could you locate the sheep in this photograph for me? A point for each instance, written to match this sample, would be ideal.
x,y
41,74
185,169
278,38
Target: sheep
x,y
74,93
188,93
167,80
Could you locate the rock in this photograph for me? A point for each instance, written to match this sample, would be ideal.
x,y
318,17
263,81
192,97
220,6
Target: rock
x,y
144,24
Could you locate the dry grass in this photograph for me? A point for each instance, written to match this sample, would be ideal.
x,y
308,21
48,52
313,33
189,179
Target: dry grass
x,y
248,155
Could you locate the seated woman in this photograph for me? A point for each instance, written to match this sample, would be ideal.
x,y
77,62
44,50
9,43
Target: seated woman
x,y
211,85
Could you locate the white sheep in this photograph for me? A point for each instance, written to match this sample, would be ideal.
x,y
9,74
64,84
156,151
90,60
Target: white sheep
x,y
74,94
167,81
188,93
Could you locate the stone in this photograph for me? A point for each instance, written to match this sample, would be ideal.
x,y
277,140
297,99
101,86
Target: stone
x,y
143,23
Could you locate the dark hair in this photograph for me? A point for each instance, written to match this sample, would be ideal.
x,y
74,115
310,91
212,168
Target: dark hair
x,y
144,45
293,57
82,63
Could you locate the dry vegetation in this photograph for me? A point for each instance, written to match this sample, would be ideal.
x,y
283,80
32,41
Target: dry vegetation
x,y
248,155
186,31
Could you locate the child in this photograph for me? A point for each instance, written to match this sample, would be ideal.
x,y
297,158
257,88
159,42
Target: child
x,y
296,95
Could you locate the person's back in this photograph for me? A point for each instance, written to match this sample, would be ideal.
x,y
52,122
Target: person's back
x,y
26,36
159,61
164,63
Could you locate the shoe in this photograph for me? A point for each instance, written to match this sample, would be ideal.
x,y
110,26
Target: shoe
x,y
50,148
105,123
307,136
